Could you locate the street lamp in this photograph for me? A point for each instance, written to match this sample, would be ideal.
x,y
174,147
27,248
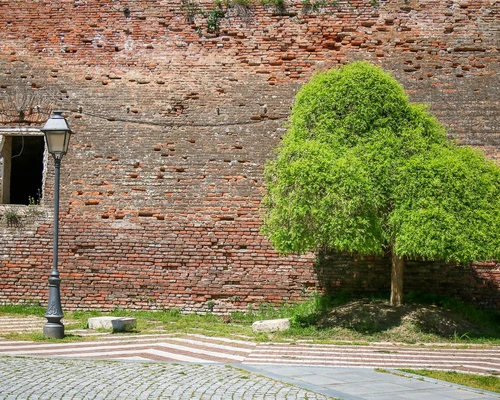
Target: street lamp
x,y
57,133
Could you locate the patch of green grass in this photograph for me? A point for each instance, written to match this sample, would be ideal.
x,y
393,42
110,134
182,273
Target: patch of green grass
x,y
170,321
319,319
23,309
484,382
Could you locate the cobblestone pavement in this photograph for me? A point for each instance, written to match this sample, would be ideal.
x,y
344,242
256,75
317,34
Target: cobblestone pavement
x,y
53,378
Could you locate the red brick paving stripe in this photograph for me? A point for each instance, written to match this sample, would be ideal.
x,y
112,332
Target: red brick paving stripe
x,y
171,349
385,356
76,346
198,348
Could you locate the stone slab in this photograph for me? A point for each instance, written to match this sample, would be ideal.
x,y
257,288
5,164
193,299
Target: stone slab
x,y
271,325
116,324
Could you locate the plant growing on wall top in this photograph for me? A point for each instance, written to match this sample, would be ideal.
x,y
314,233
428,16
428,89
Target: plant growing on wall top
x,y
191,9
240,7
213,19
279,5
213,16
234,3
363,170
314,6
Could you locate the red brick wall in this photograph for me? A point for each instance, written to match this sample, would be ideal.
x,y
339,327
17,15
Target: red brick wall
x,y
479,283
161,189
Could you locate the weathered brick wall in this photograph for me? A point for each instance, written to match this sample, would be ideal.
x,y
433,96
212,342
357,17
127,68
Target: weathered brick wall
x,y
161,189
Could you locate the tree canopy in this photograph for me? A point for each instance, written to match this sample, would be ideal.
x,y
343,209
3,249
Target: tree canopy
x,y
363,170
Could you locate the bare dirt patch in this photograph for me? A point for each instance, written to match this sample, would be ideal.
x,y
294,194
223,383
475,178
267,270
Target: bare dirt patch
x,y
373,316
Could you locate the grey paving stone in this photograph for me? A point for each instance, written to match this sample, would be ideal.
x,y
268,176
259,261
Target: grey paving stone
x,y
368,384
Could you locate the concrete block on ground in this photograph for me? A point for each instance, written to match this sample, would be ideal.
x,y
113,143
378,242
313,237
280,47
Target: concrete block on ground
x,y
116,324
271,325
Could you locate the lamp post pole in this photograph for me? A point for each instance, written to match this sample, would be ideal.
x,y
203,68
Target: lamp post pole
x,y
54,328
57,134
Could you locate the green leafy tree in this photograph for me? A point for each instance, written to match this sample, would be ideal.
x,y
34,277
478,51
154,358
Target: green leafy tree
x,y
363,170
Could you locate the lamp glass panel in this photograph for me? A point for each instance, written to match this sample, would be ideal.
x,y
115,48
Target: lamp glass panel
x,y
57,141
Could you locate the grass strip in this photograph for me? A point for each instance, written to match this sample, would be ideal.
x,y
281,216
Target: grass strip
x,y
342,319
484,382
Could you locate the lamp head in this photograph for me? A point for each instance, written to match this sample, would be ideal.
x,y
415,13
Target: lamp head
x,y
57,134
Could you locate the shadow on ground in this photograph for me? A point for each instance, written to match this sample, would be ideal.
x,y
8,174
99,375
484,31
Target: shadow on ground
x,y
374,316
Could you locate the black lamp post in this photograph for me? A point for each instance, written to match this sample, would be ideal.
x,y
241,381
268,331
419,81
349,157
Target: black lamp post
x,y
57,133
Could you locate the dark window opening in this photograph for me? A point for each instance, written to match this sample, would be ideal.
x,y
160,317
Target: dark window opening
x,y
26,172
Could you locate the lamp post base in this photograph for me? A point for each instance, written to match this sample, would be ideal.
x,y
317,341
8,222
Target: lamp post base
x,y
54,330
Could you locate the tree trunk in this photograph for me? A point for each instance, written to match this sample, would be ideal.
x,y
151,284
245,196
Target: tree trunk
x,y
398,265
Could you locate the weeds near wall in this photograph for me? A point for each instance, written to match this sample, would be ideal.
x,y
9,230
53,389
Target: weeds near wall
x,y
237,3
34,209
279,5
315,6
242,8
213,19
210,306
191,9
16,217
12,218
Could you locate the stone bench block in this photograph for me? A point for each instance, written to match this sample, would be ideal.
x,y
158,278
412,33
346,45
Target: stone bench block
x,y
116,324
271,325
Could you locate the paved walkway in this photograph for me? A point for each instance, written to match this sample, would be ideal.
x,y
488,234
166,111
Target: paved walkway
x,y
202,349
199,367
78,379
